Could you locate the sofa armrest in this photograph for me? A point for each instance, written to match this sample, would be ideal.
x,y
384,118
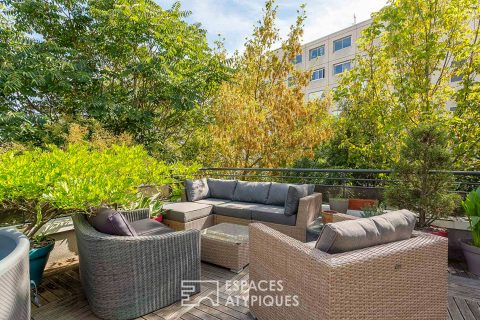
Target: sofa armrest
x,y
137,214
309,208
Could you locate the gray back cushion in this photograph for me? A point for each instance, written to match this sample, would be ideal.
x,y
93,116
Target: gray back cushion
x,y
221,189
294,194
363,233
256,192
111,222
279,191
277,194
197,189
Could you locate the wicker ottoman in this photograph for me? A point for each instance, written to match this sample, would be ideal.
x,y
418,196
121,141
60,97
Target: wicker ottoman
x,y
188,215
226,245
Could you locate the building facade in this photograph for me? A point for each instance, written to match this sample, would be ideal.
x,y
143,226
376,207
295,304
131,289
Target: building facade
x,y
329,56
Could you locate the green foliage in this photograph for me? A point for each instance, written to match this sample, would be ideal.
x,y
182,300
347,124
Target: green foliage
x,y
373,210
131,65
79,178
403,79
425,149
472,209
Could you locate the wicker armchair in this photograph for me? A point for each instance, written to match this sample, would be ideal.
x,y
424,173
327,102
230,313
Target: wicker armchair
x,y
400,280
126,277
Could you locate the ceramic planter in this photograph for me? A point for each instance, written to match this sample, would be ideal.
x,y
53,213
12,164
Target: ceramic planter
x,y
472,256
359,204
38,261
338,204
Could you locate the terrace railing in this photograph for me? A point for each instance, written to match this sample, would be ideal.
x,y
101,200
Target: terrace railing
x,y
365,183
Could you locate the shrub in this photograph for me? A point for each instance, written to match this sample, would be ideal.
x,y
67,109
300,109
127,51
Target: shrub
x,y
419,189
46,183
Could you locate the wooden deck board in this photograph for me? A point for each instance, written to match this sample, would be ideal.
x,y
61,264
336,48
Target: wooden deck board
x,y
62,298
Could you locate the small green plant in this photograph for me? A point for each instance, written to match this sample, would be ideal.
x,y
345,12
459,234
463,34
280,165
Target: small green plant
x,y
153,202
471,204
373,210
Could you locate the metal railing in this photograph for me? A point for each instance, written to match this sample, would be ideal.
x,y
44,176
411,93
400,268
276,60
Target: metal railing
x,y
352,182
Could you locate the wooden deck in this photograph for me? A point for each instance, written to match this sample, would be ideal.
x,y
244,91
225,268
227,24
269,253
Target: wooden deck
x,y
61,298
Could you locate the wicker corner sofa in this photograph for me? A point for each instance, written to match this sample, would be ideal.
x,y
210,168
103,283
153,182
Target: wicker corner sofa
x,y
398,280
126,277
247,206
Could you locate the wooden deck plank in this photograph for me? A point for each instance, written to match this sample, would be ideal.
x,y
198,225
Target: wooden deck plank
x,y
63,299
464,309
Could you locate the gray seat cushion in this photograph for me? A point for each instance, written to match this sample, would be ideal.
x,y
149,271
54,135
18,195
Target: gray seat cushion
x,y
277,194
273,214
212,201
111,222
256,192
363,233
149,227
294,194
221,189
186,211
235,209
197,189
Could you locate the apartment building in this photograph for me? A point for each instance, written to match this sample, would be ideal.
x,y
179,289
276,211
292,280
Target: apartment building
x,y
329,56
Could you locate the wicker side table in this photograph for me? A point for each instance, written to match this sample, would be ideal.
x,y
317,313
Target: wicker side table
x,y
226,245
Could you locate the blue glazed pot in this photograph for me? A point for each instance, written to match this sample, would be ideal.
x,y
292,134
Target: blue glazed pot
x,y
38,261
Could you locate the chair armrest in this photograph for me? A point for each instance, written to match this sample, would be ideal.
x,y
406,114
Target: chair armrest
x,y
137,214
309,208
300,269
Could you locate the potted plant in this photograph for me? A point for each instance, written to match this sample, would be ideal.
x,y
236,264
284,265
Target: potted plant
x,y
46,183
358,204
471,248
372,210
338,203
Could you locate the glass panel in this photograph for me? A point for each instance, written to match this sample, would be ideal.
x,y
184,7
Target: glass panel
x,y
227,232
338,69
347,42
337,45
346,66
321,73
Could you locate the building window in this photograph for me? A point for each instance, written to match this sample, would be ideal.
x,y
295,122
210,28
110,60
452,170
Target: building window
x,y
318,74
315,95
342,43
290,81
317,52
341,67
297,59
456,65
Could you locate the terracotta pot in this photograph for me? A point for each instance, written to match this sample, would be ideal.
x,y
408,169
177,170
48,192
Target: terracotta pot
x,y
327,216
359,204
472,256
338,204
159,218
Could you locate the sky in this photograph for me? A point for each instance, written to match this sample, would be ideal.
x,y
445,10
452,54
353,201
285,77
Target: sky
x,y
234,19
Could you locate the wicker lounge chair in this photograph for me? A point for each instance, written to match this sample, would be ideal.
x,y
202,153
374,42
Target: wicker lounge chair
x,y
399,280
125,277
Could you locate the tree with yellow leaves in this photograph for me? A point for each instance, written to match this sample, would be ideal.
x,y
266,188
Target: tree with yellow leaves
x,y
261,117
